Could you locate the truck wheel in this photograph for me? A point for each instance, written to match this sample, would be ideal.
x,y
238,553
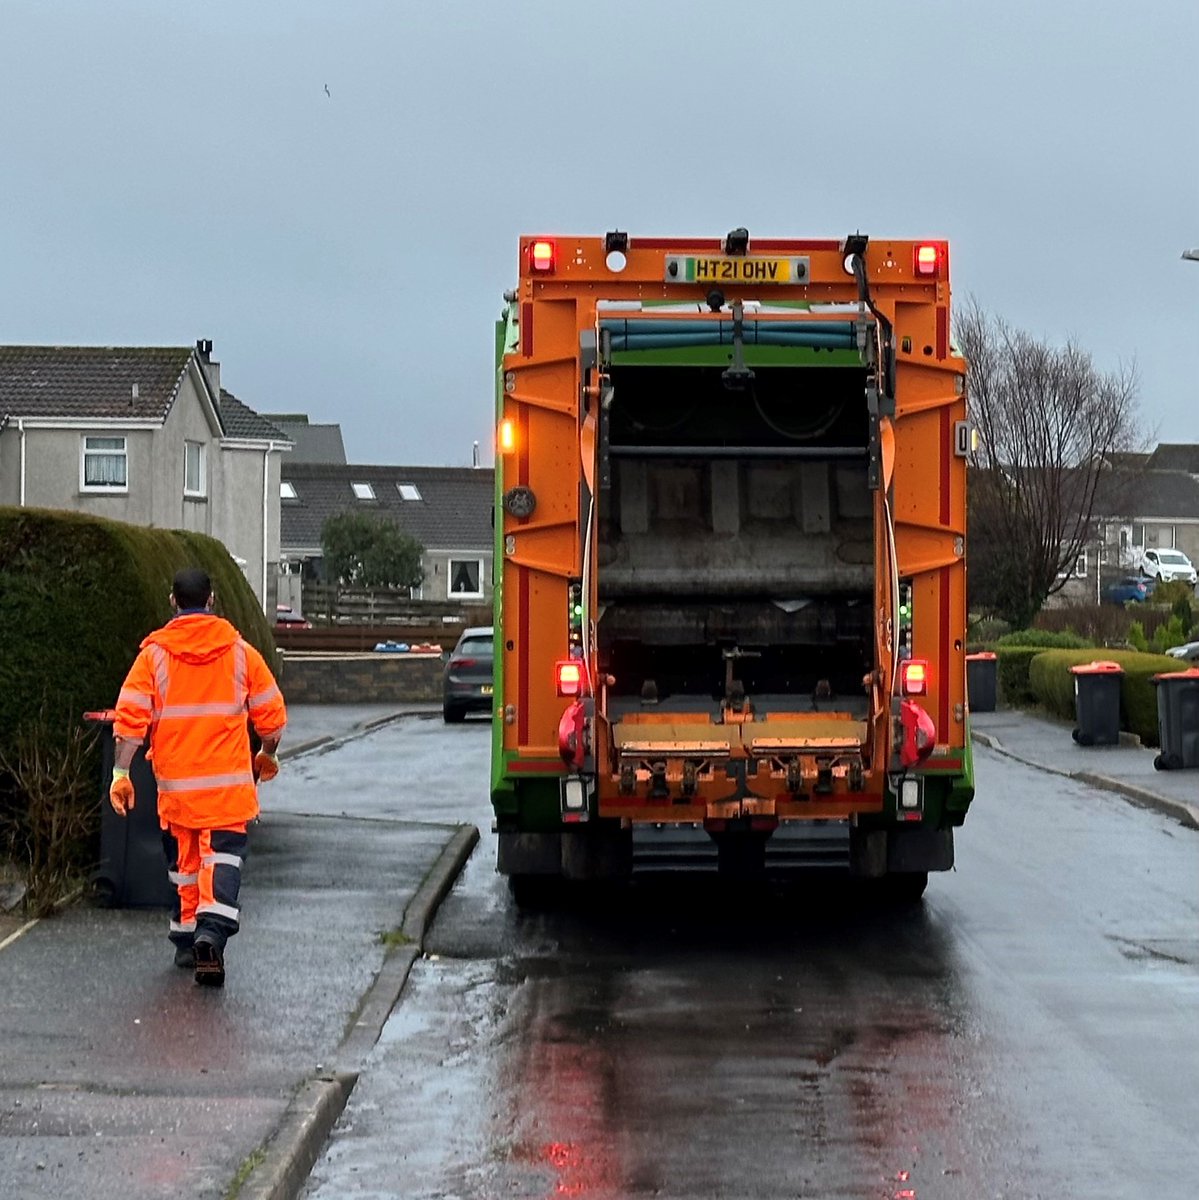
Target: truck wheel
x,y
535,893
904,888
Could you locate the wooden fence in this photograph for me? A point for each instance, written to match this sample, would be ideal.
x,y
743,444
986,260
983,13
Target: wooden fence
x,y
328,604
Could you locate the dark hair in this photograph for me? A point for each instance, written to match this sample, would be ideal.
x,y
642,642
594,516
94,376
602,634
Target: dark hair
x,y
191,588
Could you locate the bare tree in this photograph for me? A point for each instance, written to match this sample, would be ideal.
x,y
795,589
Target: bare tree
x,y
1048,422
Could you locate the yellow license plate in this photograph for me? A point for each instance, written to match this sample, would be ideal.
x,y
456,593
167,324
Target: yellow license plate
x,y
736,269
485,690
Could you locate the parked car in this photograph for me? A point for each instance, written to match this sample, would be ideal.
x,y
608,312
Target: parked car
x,y
1188,651
469,679
1168,565
288,618
1132,589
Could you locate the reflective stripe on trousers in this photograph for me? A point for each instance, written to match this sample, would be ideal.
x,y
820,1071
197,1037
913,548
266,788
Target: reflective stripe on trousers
x,y
205,865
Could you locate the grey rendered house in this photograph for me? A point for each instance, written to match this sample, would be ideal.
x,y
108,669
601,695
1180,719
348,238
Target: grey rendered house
x,y
446,509
144,435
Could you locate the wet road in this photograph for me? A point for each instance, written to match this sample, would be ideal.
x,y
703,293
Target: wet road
x,y
1033,1031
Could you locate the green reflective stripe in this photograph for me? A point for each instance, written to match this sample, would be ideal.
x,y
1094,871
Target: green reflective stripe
x,y
217,708
263,697
137,699
200,782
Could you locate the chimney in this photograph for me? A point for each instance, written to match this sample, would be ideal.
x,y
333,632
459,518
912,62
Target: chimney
x,y
474,455
209,365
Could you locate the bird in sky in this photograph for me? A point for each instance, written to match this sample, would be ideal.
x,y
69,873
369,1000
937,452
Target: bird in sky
x,y
327,92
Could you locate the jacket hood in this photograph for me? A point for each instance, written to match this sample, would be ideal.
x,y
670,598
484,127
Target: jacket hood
x,y
194,638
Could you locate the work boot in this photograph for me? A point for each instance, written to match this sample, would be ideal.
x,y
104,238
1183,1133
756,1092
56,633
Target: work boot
x,y
185,957
210,963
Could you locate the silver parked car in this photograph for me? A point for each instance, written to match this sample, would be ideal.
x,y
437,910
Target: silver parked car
x,y
469,680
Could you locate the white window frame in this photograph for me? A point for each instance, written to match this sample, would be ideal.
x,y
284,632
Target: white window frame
x,y
450,594
411,487
367,488
287,490
103,489
202,490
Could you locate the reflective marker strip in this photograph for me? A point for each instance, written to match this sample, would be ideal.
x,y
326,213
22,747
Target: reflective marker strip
x,y
183,927
219,910
239,673
181,880
220,858
200,782
162,677
218,708
263,697
137,699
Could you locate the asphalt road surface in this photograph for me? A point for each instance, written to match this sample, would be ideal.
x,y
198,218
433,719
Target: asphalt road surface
x,y
1031,1031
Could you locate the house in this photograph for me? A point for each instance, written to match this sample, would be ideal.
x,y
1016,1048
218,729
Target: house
x,y
143,434
446,509
1136,508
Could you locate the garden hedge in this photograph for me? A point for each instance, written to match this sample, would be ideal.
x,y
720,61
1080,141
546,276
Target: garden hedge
x,y
1012,669
1052,685
77,595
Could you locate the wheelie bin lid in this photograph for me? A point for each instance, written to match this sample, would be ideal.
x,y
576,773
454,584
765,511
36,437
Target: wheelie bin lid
x,y
1189,673
982,656
1097,668
104,716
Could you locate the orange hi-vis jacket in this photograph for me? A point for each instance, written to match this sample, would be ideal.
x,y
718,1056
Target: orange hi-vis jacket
x,y
191,688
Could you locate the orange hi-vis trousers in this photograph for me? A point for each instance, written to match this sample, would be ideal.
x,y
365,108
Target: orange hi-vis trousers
x,y
205,867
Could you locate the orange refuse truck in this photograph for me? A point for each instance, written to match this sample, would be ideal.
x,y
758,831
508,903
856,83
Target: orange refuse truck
x,y
730,602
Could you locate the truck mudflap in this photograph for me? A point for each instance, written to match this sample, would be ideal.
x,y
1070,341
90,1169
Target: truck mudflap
x,y
903,850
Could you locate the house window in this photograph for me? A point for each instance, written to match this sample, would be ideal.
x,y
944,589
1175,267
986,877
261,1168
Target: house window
x,y
105,465
194,482
408,491
465,579
287,491
363,491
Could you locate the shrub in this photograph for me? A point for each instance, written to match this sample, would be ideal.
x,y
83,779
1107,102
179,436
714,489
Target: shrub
x,y
1169,634
1181,608
1052,685
1101,624
1012,670
1136,637
77,595
1169,594
1046,639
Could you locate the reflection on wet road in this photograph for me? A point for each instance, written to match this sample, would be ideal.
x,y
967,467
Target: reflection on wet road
x,y
1030,1032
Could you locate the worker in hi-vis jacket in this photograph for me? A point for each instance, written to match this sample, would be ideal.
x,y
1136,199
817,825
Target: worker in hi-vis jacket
x,y
191,688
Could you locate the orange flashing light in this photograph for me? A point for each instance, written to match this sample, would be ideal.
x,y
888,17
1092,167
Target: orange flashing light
x,y
913,677
507,437
541,257
928,259
568,677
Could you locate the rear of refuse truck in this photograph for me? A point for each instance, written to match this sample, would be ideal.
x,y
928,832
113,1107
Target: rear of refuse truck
x,y
730,599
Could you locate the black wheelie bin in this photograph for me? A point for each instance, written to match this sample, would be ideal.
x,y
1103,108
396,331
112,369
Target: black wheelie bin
x,y
133,868
1097,703
1177,719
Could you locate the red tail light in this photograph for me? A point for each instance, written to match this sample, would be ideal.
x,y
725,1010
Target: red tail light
x,y
464,662
928,259
569,677
913,677
541,257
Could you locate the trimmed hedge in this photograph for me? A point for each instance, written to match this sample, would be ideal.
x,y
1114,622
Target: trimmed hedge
x,y
1048,639
1052,685
77,595
1012,669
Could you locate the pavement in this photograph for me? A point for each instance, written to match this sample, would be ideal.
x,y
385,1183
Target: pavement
x,y
120,1078
1045,742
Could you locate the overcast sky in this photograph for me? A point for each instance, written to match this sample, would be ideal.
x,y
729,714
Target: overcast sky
x,y
172,170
